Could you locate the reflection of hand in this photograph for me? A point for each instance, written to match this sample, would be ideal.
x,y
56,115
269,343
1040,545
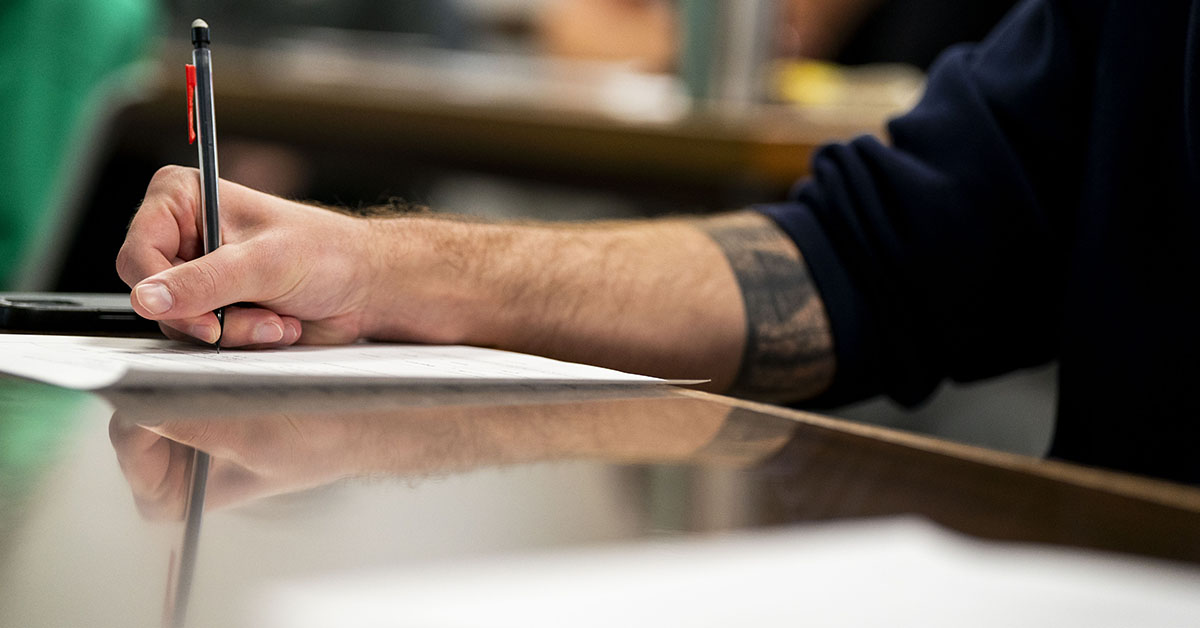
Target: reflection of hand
x,y
303,445
253,458
156,468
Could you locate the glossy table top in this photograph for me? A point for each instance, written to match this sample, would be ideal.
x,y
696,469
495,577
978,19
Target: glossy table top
x,y
94,491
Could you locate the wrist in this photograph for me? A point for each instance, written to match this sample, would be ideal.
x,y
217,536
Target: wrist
x,y
423,281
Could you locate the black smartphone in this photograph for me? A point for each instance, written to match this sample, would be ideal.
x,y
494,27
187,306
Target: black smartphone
x,y
71,313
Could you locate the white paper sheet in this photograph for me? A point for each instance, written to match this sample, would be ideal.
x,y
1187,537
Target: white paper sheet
x,y
98,363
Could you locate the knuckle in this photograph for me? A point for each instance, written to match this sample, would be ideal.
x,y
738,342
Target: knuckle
x,y
176,186
169,173
205,279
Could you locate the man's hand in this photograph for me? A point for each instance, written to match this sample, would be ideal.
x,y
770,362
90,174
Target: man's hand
x,y
306,268
670,298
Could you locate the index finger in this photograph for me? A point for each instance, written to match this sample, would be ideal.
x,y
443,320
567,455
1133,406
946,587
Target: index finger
x,y
163,233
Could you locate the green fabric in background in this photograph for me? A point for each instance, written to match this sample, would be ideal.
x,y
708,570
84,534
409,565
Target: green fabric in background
x,y
36,420
54,54
33,417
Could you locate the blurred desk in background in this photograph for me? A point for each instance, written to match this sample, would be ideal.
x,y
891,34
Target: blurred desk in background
x,y
313,484
518,111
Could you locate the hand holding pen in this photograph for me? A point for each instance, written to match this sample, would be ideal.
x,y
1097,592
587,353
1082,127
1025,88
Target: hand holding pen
x,y
183,277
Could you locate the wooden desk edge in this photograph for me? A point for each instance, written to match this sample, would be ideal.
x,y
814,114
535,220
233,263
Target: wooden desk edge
x,y
1161,492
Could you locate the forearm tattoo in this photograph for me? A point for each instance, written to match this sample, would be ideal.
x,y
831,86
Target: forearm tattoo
x,y
789,348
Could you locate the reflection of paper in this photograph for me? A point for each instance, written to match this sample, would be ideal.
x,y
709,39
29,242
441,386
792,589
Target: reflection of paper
x,y
887,573
95,363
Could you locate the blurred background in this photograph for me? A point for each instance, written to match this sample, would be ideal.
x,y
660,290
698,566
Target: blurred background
x,y
548,109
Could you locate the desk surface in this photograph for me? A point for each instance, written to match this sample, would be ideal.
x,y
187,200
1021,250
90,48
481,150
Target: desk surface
x,y
302,483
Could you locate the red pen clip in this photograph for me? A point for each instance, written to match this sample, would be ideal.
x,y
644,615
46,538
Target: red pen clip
x,y
191,94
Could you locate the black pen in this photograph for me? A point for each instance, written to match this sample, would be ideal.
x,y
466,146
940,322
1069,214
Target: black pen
x,y
200,94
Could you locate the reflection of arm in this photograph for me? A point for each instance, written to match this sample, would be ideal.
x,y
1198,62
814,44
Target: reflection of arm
x,y
280,452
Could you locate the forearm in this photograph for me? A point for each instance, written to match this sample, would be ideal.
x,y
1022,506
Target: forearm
x,y
707,299
655,297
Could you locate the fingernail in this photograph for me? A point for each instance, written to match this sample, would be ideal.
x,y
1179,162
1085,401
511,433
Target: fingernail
x,y
204,333
154,297
268,332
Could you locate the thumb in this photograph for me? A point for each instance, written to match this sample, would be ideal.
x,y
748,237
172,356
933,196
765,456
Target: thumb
x,y
200,286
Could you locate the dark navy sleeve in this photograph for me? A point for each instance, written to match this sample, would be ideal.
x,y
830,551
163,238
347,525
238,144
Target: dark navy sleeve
x,y
941,254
